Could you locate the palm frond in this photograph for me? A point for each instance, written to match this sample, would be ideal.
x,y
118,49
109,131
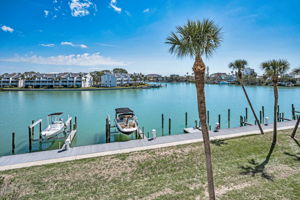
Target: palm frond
x,y
195,38
275,68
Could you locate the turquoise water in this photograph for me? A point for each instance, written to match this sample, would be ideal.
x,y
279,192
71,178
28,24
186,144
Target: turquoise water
x,y
17,109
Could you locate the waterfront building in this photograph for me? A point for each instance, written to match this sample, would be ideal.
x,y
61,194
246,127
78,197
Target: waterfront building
x,y
79,80
11,80
108,80
154,77
43,80
113,80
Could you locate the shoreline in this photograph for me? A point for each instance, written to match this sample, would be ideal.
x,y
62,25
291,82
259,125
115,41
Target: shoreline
x,y
97,150
73,89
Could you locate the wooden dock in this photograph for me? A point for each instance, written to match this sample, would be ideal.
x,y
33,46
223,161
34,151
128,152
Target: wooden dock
x,y
54,156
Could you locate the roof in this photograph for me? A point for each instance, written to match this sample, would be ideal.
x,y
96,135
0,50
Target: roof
x,y
123,110
58,113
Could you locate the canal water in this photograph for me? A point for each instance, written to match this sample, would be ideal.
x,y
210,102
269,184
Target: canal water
x,y
17,109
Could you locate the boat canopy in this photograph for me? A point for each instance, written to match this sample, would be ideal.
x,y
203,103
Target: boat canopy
x,y
123,110
57,113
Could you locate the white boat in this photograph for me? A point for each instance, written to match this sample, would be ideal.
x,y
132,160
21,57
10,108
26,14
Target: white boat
x,y
55,127
125,120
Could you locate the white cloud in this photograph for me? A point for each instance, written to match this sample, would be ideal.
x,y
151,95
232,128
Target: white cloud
x,y
48,45
85,59
83,46
80,8
46,13
113,4
146,10
7,29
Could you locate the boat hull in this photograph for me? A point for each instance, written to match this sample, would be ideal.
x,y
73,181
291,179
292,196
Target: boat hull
x,y
126,130
52,131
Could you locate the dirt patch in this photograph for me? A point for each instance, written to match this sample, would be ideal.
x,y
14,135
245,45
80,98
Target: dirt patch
x,y
224,189
282,171
155,195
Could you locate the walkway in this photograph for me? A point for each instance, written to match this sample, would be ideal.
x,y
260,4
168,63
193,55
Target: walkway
x,y
53,156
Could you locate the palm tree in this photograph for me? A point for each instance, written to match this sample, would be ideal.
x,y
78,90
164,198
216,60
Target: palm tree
x,y
274,69
197,39
239,66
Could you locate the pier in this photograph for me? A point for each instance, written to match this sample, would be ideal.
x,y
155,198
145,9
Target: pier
x,y
54,156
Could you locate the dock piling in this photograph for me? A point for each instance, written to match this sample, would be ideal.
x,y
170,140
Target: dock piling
x,y
260,116
32,132
219,120
228,118
246,111
169,126
13,143
40,127
208,117
241,121
107,130
29,139
186,119
75,122
263,113
293,112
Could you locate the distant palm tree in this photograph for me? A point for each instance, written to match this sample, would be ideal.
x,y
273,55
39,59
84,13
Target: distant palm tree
x,y
274,69
197,39
239,66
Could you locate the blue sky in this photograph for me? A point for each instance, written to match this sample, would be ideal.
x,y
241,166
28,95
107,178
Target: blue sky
x,y
88,35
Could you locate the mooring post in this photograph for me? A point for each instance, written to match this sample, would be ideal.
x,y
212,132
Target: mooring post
x,y
263,113
40,131
228,118
219,120
186,119
282,116
76,123
246,110
196,123
13,143
169,126
296,127
29,138
107,131
241,120
71,125
260,115
208,117
293,112
32,129
162,121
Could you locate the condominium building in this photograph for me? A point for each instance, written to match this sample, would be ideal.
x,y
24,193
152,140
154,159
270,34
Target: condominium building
x,y
51,80
113,80
11,80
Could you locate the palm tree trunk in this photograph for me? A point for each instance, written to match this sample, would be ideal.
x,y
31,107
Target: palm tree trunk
x,y
275,114
296,127
250,104
274,140
199,71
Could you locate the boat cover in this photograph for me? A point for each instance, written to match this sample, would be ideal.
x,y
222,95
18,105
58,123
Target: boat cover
x,y
123,110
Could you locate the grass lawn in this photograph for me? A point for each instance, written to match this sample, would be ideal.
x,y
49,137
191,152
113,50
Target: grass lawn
x,y
167,173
